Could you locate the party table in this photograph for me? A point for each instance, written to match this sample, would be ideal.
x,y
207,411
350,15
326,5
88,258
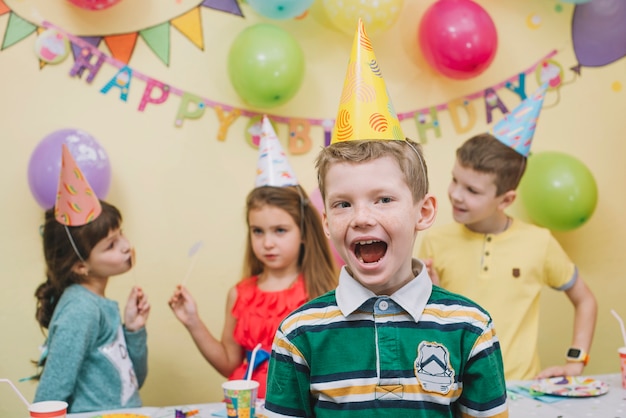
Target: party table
x,y
521,405
610,405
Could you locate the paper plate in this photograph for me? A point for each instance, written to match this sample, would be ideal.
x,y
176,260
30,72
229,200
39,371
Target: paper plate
x,y
571,386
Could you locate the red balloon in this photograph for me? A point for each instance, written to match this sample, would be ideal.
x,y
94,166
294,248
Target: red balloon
x,y
458,38
94,4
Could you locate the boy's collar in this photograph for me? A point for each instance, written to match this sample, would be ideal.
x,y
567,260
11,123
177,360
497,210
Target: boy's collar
x,y
412,296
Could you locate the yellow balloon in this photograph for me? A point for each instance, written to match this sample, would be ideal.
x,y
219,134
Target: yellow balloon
x,y
377,15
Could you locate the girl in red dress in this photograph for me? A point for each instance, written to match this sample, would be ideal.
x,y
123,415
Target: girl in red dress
x,y
288,261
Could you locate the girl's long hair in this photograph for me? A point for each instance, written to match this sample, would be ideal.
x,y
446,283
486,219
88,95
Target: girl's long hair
x,y
61,257
316,261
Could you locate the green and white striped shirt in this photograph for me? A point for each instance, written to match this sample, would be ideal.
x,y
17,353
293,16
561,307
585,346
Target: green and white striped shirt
x,y
421,352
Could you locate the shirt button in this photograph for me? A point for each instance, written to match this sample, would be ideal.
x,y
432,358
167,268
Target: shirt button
x,y
485,268
486,252
488,239
383,305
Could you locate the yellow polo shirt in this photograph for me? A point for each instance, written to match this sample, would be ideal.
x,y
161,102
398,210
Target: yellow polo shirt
x,y
504,273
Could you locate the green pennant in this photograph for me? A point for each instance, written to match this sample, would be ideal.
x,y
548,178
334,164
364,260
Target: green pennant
x,y
16,30
158,39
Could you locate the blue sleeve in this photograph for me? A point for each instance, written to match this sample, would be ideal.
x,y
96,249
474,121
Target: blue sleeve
x,y
138,352
71,335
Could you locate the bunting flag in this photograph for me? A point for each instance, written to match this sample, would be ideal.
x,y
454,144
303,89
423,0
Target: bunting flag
x,y
122,46
4,8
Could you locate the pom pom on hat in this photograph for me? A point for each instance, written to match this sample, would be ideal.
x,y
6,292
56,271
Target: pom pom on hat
x,y
273,169
517,128
76,203
365,109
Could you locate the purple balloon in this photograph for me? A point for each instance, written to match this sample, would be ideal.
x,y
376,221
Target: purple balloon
x,y
599,32
45,164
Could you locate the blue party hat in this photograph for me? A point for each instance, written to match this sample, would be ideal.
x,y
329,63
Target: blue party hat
x,y
517,128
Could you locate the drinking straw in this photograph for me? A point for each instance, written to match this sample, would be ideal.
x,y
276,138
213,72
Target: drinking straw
x,y
252,358
17,391
621,324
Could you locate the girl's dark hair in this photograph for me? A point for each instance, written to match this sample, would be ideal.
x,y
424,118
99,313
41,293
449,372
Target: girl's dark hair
x,y
61,258
316,261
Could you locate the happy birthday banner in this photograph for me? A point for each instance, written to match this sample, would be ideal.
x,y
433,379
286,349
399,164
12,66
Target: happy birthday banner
x,y
88,61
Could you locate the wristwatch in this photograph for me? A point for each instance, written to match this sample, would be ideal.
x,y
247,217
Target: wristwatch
x,y
577,355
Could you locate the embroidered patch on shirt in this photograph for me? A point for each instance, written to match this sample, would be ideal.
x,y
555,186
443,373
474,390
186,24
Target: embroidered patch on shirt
x,y
516,272
432,368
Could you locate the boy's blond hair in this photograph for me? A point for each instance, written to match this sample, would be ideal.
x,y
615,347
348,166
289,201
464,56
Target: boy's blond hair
x,y
486,154
408,155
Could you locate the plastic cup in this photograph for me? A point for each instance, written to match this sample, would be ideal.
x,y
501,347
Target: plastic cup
x,y
240,398
622,362
48,409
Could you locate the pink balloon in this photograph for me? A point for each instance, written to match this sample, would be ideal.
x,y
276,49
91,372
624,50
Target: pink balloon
x,y
458,38
316,200
94,4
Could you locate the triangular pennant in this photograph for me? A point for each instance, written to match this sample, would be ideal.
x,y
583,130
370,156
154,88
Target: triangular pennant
x,y
272,168
91,40
365,108
4,8
76,203
158,40
517,128
190,25
17,29
122,46
228,6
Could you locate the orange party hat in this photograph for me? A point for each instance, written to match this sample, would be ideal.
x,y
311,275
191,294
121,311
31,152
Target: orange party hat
x,y
365,109
76,204
273,169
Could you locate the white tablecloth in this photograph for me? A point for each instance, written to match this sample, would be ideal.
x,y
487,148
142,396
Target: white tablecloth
x,y
207,410
609,405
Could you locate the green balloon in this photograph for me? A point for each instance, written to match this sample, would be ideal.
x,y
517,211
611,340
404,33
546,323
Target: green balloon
x,y
558,191
265,65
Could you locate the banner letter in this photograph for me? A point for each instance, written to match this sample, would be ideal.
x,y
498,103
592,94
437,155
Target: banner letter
x,y
468,107
82,63
520,89
121,80
147,94
183,109
492,101
423,125
225,121
299,138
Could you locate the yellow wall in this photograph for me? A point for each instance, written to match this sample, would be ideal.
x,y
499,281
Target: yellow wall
x,y
176,186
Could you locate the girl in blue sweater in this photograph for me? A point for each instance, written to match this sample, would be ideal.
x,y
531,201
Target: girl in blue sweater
x,y
91,359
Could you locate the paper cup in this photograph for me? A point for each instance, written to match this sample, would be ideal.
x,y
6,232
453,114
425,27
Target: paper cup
x,y
48,409
622,362
240,397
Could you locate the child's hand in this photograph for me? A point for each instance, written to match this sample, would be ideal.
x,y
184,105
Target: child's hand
x,y
570,369
184,306
137,310
434,277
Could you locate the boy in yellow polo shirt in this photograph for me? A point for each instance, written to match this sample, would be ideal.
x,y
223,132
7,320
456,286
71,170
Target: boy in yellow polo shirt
x,y
500,262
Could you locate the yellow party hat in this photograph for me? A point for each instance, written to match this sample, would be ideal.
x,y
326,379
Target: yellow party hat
x,y
365,109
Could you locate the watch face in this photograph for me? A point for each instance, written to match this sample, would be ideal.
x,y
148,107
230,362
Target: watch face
x,y
573,352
